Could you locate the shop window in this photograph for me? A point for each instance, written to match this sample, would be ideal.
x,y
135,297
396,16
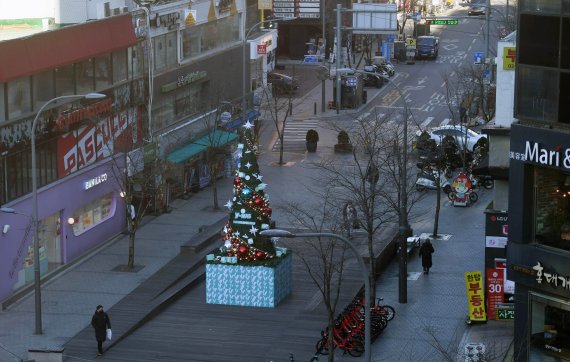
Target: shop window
x,y
550,329
84,72
566,7
19,97
93,214
542,6
43,86
64,80
564,102
120,66
552,208
103,72
188,100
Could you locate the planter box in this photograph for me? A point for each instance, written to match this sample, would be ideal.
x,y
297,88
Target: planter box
x,y
253,286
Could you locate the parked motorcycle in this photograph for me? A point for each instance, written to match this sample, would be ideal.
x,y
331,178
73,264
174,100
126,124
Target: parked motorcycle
x,y
482,180
427,181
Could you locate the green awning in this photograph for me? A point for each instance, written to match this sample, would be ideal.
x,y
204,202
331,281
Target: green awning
x,y
215,138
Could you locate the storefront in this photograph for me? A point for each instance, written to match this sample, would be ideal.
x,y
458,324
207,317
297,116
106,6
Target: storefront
x,y
76,214
538,253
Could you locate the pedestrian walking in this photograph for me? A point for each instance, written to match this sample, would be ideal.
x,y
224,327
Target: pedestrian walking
x,y
425,253
100,322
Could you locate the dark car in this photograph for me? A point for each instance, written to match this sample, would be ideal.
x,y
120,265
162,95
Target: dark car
x,y
427,46
283,83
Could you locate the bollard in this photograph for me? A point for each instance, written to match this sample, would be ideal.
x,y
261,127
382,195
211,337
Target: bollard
x,y
290,108
315,110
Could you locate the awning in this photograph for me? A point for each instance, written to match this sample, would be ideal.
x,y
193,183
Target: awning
x,y
238,122
215,138
51,49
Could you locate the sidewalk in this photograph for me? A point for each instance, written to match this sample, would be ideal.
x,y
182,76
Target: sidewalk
x,y
70,298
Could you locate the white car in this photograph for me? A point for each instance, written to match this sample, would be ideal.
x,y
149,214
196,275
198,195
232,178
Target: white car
x,y
461,134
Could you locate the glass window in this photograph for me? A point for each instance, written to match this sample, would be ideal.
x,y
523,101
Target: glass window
x,y
135,61
552,208
564,102
120,66
93,214
43,88
64,81
84,72
549,328
19,97
537,92
200,39
565,46
171,49
566,6
159,44
538,40
103,72
543,6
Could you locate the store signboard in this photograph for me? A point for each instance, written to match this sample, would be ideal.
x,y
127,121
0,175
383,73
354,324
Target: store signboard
x,y
495,289
475,296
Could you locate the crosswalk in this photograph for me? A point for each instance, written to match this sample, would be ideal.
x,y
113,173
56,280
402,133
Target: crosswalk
x,y
294,135
296,130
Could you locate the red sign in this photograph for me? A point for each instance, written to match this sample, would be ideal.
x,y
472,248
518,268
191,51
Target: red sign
x,y
495,289
90,143
94,110
261,49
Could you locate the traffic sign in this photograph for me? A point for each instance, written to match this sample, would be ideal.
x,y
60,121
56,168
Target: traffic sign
x,y
478,57
437,21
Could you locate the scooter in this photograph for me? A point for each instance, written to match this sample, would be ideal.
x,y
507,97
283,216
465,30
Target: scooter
x,y
427,181
482,180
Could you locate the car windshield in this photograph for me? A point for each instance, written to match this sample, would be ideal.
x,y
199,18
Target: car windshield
x,y
425,41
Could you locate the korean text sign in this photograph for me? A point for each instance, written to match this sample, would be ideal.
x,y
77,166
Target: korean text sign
x,y
475,296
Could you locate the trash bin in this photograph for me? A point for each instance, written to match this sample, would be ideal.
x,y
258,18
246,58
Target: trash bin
x,y
364,97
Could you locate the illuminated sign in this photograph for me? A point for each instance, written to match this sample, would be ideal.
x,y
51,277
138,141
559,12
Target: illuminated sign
x,y
97,180
432,21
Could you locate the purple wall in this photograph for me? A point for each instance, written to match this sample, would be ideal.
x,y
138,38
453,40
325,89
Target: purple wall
x,y
64,196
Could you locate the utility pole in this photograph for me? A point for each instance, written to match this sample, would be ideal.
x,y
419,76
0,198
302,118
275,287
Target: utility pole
x,y
338,56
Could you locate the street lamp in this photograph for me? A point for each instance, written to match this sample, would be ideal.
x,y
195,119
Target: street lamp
x,y
244,86
35,221
404,229
365,276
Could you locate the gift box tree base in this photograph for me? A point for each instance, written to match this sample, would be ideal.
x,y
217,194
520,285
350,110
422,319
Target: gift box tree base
x,y
252,286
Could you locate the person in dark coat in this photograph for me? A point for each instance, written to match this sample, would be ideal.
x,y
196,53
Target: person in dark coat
x,y
425,253
100,322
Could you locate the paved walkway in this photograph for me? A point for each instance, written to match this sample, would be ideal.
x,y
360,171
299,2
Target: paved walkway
x,y
434,310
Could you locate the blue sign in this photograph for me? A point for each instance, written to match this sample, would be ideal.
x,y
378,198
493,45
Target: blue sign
x,y
478,57
386,50
390,38
311,59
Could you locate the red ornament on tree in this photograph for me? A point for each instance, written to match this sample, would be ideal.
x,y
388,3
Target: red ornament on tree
x,y
237,181
258,200
259,255
242,251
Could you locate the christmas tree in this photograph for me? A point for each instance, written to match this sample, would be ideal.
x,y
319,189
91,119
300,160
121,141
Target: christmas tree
x,y
249,208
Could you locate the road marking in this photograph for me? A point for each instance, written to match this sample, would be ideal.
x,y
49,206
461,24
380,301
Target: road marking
x,y
294,135
426,122
444,122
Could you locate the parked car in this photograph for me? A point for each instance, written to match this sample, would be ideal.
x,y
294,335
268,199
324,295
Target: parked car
x,y
283,83
427,46
461,134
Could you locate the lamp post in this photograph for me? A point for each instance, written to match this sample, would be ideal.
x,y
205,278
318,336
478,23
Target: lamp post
x,y
35,221
404,229
365,275
246,61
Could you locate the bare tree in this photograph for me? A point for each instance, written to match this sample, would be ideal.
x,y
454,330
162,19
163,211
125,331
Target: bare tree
x,y
369,180
324,259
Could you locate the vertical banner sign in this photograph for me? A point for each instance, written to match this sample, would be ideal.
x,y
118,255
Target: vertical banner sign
x,y
495,291
475,297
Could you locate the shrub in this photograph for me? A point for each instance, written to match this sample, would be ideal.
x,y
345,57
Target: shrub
x,y
312,136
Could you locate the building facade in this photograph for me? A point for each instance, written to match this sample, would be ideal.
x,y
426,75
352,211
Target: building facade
x,y
80,143
538,253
